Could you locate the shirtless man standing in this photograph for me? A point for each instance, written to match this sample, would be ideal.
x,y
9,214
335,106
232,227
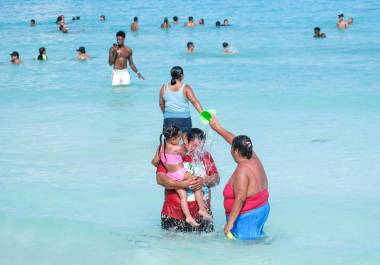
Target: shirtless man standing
x,y
119,56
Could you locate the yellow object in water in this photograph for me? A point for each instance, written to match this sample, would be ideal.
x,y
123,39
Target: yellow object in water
x,y
230,236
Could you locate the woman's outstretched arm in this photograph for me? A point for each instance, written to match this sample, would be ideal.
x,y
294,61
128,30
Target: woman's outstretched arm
x,y
215,125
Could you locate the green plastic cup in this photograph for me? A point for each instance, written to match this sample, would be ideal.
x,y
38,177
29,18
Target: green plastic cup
x,y
206,116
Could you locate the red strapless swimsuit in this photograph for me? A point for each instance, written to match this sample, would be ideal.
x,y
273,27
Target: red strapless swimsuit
x,y
251,202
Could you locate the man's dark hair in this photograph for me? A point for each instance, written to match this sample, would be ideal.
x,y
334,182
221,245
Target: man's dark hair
x,y
317,29
191,18
135,19
225,44
190,43
32,21
120,34
175,18
217,24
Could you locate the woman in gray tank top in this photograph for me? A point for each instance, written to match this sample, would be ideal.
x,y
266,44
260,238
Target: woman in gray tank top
x,y
174,101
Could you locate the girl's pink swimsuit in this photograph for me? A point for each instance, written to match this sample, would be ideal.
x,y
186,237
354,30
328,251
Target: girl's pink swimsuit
x,y
172,159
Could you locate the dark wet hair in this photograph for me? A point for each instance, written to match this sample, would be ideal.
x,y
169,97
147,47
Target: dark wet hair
x,y
317,29
135,19
217,23
41,51
225,44
59,19
168,133
243,145
175,18
120,34
190,43
191,18
196,133
340,15
176,72
103,16
32,21
166,20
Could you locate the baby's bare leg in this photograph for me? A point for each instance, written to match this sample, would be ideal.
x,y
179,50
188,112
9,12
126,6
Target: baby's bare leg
x,y
202,209
185,208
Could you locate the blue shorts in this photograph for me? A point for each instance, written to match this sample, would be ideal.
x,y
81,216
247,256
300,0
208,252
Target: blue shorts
x,y
183,123
250,225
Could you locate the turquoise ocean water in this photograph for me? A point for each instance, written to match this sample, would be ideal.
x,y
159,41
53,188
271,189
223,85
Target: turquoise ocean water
x,y
76,185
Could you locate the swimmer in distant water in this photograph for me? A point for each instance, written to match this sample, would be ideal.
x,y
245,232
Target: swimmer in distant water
x,y
63,28
135,24
102,18
201,21
165,24
190,47
15,58
227,49
318,34
60,19
226,23
175,20
341,23
217,24
42,56
76,18
190,23
82,55
350,21
32,22
119,56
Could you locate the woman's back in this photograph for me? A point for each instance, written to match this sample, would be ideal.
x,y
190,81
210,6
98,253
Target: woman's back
x,y
176,103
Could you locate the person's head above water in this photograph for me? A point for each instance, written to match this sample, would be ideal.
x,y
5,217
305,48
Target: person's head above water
x,y
166,20
190,46
191,19
102,18
42,50
226,22
241,147
201,21
15,57
217,24
177,74
317,30
135,19
42,54
175,19
32,22
225,45
340,17
81,50
120,37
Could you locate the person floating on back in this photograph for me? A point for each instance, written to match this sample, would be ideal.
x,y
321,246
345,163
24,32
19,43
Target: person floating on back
x,y
119,56
190,47
165,24
15,58
190,23
82,55
42,54
171,154
135,24
318,34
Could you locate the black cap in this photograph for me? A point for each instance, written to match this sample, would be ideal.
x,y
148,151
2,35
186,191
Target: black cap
x,y
81,49
15,53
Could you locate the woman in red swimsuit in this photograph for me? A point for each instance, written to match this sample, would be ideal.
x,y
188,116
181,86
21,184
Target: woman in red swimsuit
x,y
246,192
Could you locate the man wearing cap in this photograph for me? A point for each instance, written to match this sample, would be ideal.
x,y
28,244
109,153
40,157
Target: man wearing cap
x,y
15,58
82,55
119,56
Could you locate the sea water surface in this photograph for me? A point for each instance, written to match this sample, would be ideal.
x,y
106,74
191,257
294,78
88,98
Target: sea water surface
x,y
76,184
